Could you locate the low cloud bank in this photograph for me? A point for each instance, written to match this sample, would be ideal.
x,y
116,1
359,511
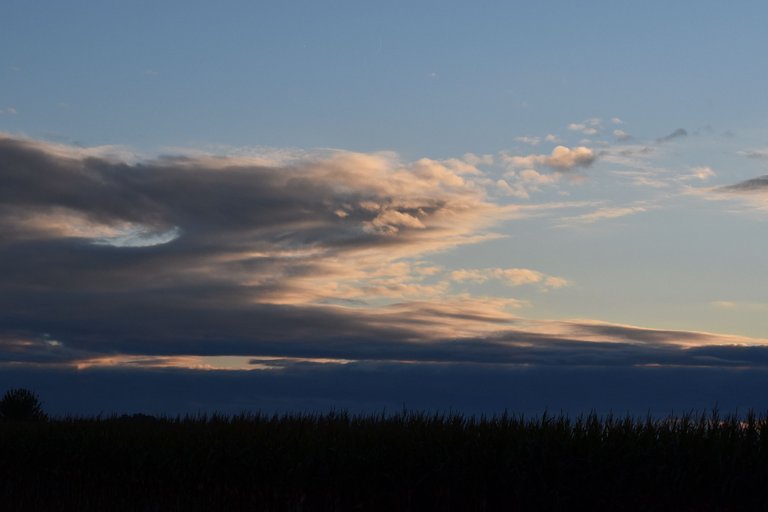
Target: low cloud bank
x,y
366,388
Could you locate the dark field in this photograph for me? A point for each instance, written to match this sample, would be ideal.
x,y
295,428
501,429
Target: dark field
x,y
395,462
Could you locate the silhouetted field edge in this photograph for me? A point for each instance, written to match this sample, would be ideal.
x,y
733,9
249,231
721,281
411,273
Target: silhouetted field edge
x,y
389,461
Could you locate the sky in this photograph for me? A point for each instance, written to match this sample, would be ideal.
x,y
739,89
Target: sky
x,y
466,206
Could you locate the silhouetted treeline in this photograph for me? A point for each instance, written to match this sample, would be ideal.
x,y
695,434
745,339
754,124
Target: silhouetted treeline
x,y
400,462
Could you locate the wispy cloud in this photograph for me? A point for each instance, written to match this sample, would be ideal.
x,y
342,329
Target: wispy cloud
x,y
752,307
755,154
602,213
527,139
677,134
510,277
699,173
644,167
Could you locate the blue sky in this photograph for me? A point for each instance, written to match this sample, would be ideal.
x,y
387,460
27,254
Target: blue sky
x,y
375,184
422,78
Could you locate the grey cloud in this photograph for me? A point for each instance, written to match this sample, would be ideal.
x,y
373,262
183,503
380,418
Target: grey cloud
x,y
680,132
632,151
758,184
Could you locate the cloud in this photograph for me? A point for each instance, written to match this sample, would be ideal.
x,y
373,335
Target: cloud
x,y
588,127
752,193
517,190
531,140
473,159
54,193
677,134
582,128
521,184
757,185
639,164
621,135
562,158
700,173
661,177
223,245
172,261
458,333
532,177
612,212
752,307
757,154
510,277
635,157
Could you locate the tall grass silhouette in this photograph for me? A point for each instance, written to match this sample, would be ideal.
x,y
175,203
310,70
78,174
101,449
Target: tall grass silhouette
x,y
405,461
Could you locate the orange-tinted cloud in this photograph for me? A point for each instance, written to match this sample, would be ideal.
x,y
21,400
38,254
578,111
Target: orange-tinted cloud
x,y
562,158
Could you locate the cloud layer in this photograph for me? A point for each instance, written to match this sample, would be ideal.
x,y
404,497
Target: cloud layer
x,y
203,255
113,261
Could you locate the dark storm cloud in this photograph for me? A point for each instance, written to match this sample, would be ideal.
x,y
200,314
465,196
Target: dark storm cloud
x,y
679,133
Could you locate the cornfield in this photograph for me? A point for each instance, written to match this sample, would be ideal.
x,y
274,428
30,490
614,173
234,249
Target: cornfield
x,y
405,461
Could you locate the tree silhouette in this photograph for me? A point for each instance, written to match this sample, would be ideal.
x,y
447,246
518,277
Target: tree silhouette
x,y
21,404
